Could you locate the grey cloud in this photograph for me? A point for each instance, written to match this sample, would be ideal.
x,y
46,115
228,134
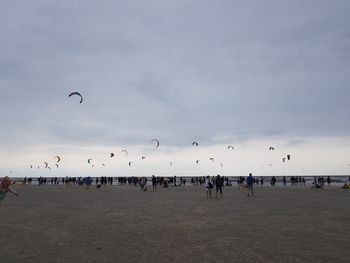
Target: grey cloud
x,y
176,70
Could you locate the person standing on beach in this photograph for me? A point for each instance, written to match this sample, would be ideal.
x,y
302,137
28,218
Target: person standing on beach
x,y
219,183
241,183
154,182
209,186
88,181
5,187
250,182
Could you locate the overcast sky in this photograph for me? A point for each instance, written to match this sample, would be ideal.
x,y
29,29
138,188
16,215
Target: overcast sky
x,y
248,73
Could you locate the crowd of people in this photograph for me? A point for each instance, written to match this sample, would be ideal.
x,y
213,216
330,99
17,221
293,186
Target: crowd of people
x,y
211,183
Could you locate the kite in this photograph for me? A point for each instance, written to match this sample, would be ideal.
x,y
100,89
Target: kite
x,y
195,143
130,163
112,154
77,93
155,140
58,158
89,161
46,164
230,147
272,148
211,159
126,152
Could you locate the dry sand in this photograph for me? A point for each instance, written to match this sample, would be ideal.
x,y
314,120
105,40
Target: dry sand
x,y
178,224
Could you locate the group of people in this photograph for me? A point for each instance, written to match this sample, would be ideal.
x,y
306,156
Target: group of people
x,y
319,182
218,181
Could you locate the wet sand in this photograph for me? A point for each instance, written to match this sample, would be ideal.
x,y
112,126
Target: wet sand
x,y
176,224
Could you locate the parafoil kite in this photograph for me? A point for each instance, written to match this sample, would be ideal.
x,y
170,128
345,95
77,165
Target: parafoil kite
x,y
126,152
211,159
197,161
56,165
230,147
288,157
89,161
143,157
130,163
112,154
78,94
46,164
272,148
58,158
155,140
195,143
171,163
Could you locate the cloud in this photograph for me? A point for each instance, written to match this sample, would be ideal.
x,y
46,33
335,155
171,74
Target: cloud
x,y
176,70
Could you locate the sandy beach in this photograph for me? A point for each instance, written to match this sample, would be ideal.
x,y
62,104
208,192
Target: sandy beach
x,y
175,224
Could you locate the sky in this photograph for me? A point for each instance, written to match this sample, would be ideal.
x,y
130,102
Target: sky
x,y
251,74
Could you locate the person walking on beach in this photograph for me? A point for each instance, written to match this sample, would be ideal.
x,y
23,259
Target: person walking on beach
x,y
5,187
143,183
219,183
250,182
